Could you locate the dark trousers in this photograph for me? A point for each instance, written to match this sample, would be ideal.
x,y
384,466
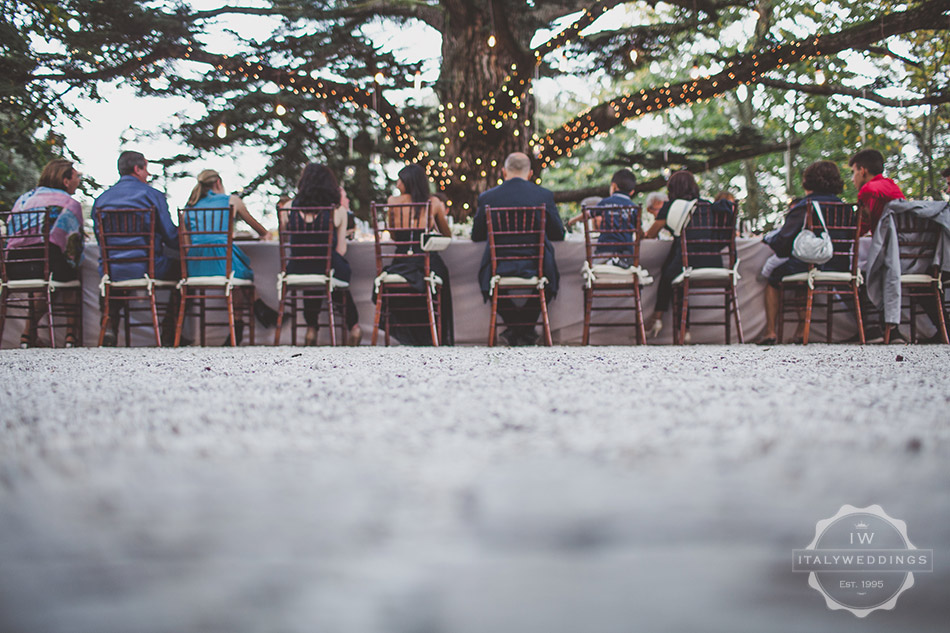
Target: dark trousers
x,y
519,315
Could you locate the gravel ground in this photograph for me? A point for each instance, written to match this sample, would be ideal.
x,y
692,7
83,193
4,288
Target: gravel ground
x,y
408,490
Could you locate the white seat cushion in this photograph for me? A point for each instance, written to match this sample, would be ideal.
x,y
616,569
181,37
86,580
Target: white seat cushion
x,y
821,275
918,278
704,274
26,283
390,278
141,283
517,281
305,280
216,280
610,269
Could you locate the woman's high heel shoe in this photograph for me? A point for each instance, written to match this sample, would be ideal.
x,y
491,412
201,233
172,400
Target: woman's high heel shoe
x,y
654,330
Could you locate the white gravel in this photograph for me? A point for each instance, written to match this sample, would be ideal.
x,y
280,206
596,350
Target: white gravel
x,y
467,489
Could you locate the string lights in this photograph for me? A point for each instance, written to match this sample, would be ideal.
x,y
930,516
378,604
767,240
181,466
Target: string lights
x,y
501,108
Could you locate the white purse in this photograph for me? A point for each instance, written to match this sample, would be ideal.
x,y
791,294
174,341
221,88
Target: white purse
x,y
810,248
434,242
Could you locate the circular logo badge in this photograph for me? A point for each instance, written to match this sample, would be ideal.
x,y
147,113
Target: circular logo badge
x,y
861,560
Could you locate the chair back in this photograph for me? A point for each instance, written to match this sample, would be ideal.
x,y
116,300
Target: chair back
x,y
198,229
710,234
842,220
516,238
126,236
306,240
24,241
917,240
397,229
618,233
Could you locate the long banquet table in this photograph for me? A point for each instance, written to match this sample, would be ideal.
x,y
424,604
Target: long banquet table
x,y
471,313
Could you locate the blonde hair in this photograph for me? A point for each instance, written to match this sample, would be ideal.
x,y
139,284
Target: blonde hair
x,y
206,180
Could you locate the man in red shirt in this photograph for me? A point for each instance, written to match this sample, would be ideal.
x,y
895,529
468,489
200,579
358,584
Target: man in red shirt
x,y
874,190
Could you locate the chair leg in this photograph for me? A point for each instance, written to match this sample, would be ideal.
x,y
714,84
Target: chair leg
x,y
780,325
684,312
830,315
180,320
857,313
641,330
229,300
431,310
727,304
280,313
942,324
3,312
379,310
104,323
49,315
328,301
735,313
251,297
544,320
809,298
588,301
494,315
158,334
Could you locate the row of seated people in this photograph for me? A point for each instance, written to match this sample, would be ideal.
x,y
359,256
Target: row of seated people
x,y
318,187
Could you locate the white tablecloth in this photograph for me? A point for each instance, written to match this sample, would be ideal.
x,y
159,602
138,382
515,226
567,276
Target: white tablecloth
x,y
471,313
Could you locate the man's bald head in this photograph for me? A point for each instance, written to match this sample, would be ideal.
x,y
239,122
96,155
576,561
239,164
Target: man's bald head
x,y
517,165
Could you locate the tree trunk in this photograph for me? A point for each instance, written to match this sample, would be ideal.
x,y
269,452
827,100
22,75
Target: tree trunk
x,y
473,75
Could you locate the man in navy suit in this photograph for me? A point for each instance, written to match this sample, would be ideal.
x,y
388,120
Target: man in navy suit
x,y
518,191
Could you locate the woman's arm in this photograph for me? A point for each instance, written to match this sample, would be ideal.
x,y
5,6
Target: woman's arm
x,y
439,215
241,209
339,223
654,229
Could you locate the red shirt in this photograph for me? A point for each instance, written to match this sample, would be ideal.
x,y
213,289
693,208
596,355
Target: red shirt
x,y
874,196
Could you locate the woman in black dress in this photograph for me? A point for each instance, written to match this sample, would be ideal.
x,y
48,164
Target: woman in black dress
x,y
413,186
318,187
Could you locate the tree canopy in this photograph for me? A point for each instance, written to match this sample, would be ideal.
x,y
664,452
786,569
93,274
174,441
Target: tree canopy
x,y
744,89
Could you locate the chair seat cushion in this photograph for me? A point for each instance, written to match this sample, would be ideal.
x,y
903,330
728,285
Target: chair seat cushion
x,y
26,284
821,275
918,278
216,280
704,274
391,278
142,283
517,281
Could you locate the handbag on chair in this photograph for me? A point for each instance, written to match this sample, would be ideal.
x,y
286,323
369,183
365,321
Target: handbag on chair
x,y
810,248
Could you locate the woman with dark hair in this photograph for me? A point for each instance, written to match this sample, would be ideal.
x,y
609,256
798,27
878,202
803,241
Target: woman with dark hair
x,y
413,185
681,186
318,187
822,183
54,191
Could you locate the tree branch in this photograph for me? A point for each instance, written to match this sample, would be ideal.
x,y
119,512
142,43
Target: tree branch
x,y
430,14
743,69
870,95
658,159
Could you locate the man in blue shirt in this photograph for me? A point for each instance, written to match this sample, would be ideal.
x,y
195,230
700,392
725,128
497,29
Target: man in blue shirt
x,y
133,192
616,226
517,190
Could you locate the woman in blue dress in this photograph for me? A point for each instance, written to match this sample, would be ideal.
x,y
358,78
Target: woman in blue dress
x,y
209,193
216,204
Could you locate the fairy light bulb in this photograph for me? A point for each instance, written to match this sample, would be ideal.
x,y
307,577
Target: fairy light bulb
x,y
491,41
222,130
820,76
280,109
378,77
634,55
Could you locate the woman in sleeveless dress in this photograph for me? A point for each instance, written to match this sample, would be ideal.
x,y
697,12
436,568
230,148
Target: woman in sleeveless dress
x,y
318,187
209,193
413,185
